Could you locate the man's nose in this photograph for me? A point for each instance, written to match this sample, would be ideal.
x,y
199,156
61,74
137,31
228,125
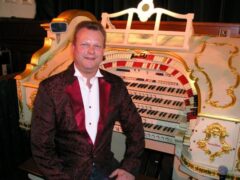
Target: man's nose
x,y
91,49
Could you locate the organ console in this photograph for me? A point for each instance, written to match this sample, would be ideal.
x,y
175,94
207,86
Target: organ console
x,y
185,87
164,101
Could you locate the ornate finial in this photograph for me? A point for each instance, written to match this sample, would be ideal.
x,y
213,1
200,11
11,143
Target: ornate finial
x,y
145,10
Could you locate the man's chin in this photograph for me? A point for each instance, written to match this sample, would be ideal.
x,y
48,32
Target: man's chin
x,y
90,69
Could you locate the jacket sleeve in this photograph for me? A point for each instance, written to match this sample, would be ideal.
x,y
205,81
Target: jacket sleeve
x,y
131,123
42,137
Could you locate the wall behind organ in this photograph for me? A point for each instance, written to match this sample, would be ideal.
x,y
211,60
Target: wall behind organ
x,y
18,8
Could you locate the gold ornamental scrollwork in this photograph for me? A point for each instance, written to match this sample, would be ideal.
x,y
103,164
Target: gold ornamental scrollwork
x,y
205,170
41,75
212,131
230,90
32,98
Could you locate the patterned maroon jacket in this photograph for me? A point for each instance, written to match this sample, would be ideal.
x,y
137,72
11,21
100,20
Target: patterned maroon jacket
x,y
62,149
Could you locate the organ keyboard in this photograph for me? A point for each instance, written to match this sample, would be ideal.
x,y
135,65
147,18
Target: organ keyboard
x,y
160,115
174,91
155,132
158,100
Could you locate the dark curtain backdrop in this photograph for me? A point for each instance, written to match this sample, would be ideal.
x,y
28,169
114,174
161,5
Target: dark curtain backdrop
x,y
204,10
14,142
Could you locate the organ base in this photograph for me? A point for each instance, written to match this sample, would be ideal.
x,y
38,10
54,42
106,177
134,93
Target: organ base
x,y
158,157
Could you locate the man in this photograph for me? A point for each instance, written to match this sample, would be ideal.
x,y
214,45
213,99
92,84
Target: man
x,y
74,114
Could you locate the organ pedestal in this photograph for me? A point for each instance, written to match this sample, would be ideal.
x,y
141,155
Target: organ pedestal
x,y
185,87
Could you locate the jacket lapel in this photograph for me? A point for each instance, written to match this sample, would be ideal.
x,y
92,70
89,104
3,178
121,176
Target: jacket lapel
x,y
74,92
104,94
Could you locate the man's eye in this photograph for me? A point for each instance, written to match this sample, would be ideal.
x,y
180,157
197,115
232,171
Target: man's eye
x,y
98,47
84,45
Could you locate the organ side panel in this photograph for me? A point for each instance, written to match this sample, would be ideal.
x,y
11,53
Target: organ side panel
x,y
215,139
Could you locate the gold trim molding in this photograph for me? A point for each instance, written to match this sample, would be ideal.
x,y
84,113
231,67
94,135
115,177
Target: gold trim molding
x,y
203,170
230,90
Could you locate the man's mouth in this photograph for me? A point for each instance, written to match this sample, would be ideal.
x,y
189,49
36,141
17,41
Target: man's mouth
x,y
90,58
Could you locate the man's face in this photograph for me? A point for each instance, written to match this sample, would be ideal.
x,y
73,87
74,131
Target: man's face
x,y
88,51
